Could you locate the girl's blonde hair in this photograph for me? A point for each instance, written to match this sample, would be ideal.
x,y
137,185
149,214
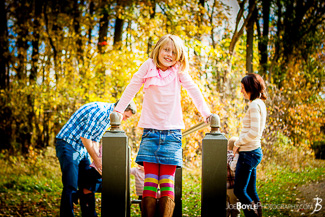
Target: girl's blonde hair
x,y
181,56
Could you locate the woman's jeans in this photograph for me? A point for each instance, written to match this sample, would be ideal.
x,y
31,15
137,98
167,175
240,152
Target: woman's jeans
x,y
245,177
73,166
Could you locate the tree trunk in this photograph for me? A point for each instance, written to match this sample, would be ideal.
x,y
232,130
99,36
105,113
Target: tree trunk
x,y
38,8
55,29
238,33
290,31
76,25
6,111
118,30
22,32
38,4
265,38
103,26
55,34
277,43
211,24
4,51
152,15
91,13
23,12
279,28
201,3
249,41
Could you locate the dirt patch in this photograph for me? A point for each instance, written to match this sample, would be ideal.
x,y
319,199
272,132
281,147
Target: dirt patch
x,y
307,200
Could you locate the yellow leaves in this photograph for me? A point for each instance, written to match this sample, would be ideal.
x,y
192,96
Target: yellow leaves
x,y
103,77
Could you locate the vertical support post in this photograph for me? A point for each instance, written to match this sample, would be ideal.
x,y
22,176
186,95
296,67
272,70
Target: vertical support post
x,y
178,193
128,198
214,171
116,188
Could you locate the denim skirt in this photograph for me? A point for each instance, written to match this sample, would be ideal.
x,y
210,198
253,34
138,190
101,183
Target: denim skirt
x,y
161,147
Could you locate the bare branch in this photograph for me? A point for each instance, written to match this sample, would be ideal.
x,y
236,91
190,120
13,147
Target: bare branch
x,y
237,35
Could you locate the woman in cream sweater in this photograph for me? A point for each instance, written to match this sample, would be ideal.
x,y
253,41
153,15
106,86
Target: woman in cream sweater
x,y
249,145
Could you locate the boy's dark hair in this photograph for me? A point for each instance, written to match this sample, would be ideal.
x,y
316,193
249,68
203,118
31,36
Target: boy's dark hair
x,y
131,107
254,84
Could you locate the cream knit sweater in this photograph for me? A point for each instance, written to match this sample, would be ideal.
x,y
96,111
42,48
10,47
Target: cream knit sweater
x,y
253,126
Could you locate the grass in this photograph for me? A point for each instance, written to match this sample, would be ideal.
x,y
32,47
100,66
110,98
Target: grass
x,y
279,188
32,186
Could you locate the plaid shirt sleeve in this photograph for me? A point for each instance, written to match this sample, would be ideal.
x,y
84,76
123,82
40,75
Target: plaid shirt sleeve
x,y
90,122
86,128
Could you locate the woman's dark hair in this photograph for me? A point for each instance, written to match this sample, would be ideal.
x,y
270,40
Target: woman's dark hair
x,y
254,84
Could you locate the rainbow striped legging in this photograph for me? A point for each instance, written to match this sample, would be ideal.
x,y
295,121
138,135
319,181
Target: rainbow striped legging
x,y
159,174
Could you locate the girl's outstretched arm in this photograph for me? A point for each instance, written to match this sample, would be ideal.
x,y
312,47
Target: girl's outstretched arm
x,y
133,87
195,94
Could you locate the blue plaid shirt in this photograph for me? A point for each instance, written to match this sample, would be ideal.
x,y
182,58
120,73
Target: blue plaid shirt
x,y
90,122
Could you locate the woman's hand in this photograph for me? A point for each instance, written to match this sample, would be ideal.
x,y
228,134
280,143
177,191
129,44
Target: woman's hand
x,y
235,150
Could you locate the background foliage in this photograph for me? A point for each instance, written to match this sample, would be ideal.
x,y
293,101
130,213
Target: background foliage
x,y
57,55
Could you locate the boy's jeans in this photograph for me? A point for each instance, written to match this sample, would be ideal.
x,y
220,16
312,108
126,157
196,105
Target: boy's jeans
x,y
245,177
72,166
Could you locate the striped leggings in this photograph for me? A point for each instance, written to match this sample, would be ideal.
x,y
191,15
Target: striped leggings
x,y
161,174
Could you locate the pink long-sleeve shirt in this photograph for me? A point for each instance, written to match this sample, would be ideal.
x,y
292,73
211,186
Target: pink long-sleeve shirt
x,y
161,108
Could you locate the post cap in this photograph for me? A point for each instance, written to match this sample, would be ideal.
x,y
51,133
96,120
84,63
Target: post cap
x,y
215,124
115,121
215,121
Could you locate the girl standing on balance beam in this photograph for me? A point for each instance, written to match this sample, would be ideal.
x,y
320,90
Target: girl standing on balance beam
x,y
160,151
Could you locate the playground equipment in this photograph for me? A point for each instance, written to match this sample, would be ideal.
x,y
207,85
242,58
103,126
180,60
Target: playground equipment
x,y
116,169
214,171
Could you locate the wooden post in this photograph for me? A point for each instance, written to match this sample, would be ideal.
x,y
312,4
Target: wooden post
x,y
214,171
116,169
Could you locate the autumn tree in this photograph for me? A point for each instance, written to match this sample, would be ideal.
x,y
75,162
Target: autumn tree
x,y
57,55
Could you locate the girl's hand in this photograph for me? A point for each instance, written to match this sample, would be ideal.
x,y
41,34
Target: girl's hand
x,y
114,110
208,119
